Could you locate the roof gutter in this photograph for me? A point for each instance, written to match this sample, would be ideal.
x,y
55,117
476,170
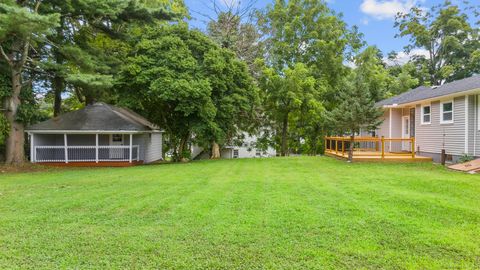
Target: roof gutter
x,y
92,131
454,95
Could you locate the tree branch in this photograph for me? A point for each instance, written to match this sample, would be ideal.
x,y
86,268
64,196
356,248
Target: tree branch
x,y
5,56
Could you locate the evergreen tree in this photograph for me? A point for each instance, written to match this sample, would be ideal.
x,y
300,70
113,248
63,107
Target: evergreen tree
x,y
22,27
356,108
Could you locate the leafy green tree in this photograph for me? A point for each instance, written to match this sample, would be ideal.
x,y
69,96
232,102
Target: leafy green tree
x,y
304,32
21,28
284,95
404,78
446,33
234,96
307,31
369,65
187,85
356,109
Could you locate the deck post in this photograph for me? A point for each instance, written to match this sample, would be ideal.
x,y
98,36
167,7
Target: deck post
x,y
65,146
96,148
383,147
336,146
413,146
343,147
130,158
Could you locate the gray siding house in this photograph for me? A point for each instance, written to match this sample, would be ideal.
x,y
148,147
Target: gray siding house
x,y
97,135
443,117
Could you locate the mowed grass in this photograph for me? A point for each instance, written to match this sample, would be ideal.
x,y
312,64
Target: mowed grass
x,y
279,213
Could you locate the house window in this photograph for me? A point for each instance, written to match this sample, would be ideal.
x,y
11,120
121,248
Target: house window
x,y
426,114
235,153
258,153
446,112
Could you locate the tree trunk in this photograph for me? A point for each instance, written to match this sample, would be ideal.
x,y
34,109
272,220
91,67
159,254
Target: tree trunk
x,y
182,147
58,87
350,150
215,151
283,150
14,152
89,100
313,151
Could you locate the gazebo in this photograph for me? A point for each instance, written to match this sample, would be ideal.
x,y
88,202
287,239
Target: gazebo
x,y
97,135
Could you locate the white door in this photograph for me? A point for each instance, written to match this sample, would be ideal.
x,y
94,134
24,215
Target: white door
x,y
116,140
406,145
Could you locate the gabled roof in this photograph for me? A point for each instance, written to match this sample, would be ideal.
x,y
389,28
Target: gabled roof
x,y
423,93
97,117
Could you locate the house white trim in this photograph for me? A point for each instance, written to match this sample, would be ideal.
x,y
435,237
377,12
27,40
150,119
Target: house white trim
x,y
466,125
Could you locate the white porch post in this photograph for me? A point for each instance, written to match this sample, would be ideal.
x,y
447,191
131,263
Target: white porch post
x,y
466,126
130,158
96,148
390,129
32,148
65,146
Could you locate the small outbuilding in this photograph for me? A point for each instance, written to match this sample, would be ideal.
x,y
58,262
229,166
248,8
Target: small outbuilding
x,y
97,135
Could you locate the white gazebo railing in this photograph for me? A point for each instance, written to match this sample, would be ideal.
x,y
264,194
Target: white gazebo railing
x,y
99,153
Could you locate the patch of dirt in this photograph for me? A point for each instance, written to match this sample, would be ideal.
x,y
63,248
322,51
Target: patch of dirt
x,y
27,167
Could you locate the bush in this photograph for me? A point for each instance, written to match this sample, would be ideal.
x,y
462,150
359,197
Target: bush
x,y
465,158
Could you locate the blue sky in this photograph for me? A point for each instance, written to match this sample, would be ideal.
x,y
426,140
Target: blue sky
x,y
373,17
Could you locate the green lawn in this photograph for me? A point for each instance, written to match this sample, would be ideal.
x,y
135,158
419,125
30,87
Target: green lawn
x,y
281,213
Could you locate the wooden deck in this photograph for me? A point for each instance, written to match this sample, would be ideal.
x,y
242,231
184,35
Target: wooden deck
x,y
91,164
377,156
374,149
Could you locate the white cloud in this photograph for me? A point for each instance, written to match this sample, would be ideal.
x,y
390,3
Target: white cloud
x,y
382,9
403,58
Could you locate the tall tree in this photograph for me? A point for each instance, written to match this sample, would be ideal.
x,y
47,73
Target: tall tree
x,y
234,95
404,78
21,27
446,33
306,32
89,42
356,108
285,94
229,31
187,85
369,65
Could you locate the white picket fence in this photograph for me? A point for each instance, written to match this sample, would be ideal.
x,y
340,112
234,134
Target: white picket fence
x,y
85,153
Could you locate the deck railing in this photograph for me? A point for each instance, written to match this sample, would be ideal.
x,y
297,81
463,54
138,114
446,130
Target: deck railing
x,y
85,153
371,146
